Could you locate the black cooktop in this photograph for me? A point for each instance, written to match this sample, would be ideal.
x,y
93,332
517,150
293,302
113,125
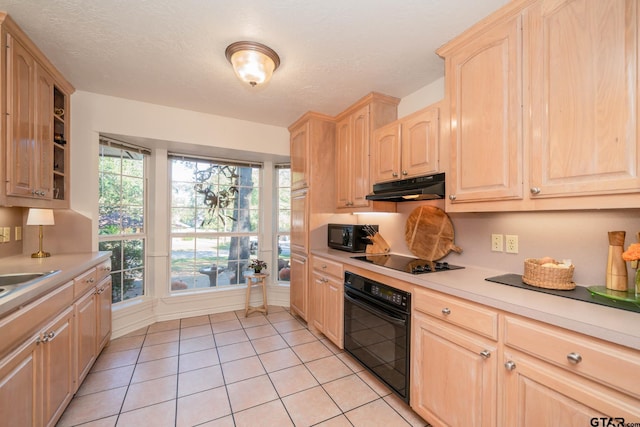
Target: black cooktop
x,y
407,264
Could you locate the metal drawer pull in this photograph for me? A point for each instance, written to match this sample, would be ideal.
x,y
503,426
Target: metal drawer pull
x,y
534,190
485,353
574,358
509,365
446,311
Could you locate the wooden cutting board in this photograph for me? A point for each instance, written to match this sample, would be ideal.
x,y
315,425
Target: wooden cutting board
x,y
429,233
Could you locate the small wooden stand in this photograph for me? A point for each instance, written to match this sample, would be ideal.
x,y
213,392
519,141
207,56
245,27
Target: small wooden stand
x,y
257,279
378,245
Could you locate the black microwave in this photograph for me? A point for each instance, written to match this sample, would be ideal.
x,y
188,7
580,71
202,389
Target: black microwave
x,y
349,237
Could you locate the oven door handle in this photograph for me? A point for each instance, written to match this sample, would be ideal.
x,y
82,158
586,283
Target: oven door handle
x,y
378,313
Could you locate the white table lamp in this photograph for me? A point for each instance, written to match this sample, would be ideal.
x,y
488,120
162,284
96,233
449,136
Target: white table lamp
x,y
40,217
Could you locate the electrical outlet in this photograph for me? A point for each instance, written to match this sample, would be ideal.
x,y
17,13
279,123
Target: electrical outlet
x,y
497,243
6,234
18,233
511,241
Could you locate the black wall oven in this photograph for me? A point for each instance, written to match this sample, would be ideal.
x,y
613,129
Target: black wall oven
x,y
377,321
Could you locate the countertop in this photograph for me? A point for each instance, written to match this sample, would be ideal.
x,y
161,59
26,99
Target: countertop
x,y
610,324
69,266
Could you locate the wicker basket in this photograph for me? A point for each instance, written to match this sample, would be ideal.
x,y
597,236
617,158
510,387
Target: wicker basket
x,y
547,277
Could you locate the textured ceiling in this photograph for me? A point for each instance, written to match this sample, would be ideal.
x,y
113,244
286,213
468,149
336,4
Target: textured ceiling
x,y
171,52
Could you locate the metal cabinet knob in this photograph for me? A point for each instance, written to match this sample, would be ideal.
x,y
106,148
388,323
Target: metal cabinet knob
x,y
452,197
509,365
574,358
485,354
446,311
405,173
394,174
324,266
535,190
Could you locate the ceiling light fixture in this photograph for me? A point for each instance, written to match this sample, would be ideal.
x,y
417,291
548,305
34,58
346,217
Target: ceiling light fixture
x,y
253,63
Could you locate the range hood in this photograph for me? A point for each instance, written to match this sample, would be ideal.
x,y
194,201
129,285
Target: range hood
x,y
428,187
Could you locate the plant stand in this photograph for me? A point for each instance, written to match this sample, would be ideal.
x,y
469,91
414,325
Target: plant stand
x,y
257,279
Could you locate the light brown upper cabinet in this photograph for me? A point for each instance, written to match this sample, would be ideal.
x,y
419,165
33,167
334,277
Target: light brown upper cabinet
x,y
543,108
407,147
35,141
354,129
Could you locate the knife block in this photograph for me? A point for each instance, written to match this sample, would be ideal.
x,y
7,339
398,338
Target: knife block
x,y
378,245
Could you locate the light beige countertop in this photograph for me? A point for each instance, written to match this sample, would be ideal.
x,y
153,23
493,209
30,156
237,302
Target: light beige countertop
x,y
69,266
607,323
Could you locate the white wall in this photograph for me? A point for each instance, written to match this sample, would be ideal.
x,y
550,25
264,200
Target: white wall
x,y
421,98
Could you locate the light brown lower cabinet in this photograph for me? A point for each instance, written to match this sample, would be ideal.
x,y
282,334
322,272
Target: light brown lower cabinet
x,y
299,285
468,372
454,369
48,347
37,379
327,299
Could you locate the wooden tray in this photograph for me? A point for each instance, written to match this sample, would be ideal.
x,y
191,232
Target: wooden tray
x,y
429,233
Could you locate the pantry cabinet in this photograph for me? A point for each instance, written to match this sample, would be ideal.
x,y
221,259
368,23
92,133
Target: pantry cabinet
x,y
454,361
406,148
327,299
35,141
312,139
354,130
543,102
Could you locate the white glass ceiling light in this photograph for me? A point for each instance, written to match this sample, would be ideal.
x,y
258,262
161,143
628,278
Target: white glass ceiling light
x,y
253,63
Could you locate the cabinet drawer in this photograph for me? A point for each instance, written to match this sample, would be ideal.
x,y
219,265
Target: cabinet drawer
x,y
27,320
103,270
458,312
84,281
607,363
328,267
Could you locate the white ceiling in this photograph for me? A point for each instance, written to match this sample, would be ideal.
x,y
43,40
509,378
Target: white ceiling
x,y
171,52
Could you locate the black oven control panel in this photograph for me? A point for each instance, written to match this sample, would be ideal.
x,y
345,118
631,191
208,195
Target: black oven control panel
x,y
388,294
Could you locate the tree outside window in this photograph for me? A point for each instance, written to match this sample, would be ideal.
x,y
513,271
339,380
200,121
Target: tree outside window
x,y
214,218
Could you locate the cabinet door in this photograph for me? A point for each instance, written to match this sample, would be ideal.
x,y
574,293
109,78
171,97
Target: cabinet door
x,y
317,304
299,286
103,301
539,394
299,221
44,134
584,97
20,390
343,163
334,311
385,154
454,375
58,362
485,89
299,145
86,315
360,157
21,150
420,139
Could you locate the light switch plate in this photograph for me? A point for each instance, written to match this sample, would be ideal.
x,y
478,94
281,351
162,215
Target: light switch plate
x,y
18,233
6,234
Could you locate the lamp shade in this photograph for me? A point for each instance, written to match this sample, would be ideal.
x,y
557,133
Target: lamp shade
x,y
40,217
253,63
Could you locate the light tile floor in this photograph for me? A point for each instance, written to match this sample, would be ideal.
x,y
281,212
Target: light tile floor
x,y
228,370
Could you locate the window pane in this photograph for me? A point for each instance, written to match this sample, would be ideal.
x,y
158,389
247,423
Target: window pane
x,y
284,223
121,211
214,217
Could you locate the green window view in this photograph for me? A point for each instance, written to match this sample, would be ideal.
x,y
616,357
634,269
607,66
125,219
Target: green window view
x,y
215,212
122,216
283,176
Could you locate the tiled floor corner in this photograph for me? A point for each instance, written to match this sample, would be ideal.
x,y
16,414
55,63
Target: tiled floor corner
x,y
228,370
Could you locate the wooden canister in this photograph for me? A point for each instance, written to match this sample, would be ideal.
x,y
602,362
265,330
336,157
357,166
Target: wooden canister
x,y
616,266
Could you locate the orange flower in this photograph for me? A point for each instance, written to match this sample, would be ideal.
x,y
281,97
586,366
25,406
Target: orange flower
x,y
632,253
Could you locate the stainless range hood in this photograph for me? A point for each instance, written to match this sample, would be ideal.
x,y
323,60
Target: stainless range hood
x,y
428,187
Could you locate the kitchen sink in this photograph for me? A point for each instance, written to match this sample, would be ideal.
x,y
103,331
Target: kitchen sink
x,y
12,281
